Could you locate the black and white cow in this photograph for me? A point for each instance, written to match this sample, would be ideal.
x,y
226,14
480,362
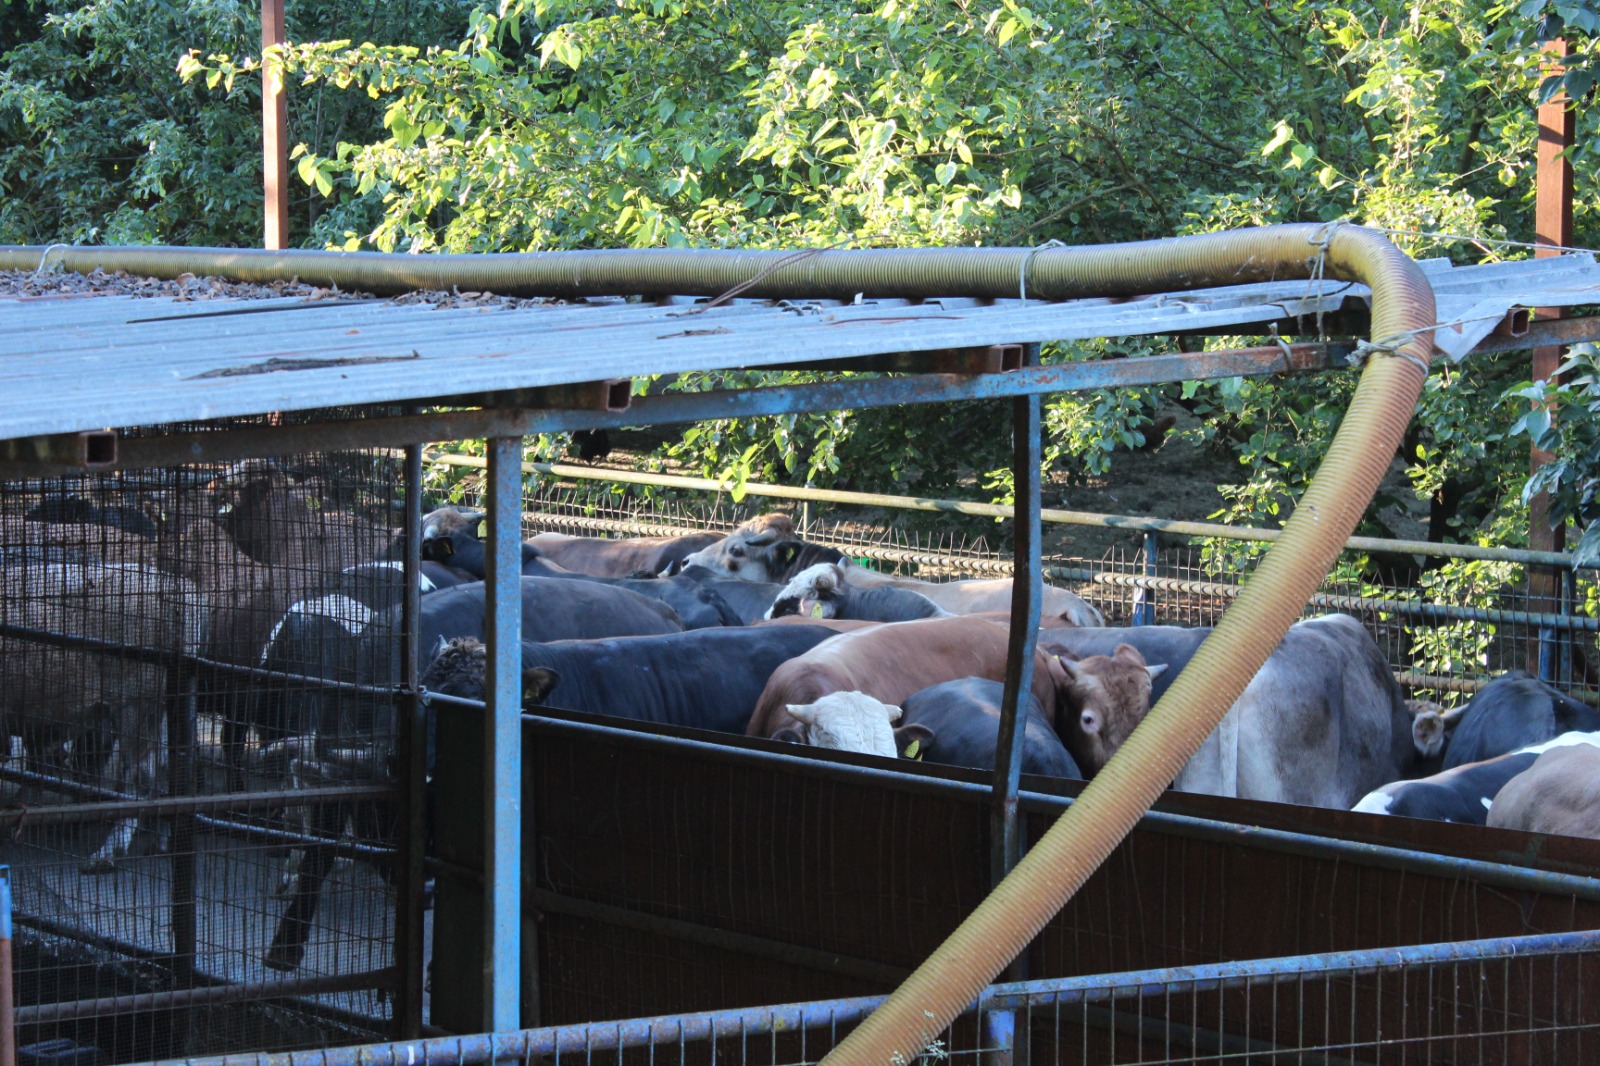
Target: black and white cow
x,y
1465,793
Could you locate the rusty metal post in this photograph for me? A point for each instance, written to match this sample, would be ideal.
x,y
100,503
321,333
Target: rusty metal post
x,y
1552,228
412,738
502,752
274,131
1006,824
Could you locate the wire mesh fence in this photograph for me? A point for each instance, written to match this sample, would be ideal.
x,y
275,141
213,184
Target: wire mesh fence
x,y
200,830
1446,625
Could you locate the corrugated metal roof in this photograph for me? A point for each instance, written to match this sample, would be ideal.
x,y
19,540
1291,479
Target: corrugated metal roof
x,y
91,361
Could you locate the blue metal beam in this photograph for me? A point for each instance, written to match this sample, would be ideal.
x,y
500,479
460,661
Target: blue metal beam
x,y
502,756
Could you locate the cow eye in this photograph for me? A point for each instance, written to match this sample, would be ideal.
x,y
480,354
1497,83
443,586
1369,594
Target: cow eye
x,y
1091,722
737,553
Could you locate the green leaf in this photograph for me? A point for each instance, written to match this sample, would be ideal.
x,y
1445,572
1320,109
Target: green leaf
x,y
944,173
1282,134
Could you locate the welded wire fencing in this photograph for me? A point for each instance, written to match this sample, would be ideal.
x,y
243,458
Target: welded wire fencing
x,y
200,830
1448,619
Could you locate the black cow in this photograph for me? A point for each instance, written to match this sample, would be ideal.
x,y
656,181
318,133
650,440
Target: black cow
x,y
707,679
1463,793
1513,711
698,604
450,537
957,723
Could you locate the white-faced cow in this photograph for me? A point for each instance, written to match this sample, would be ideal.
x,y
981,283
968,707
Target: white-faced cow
x,y
890,662
771,553
821,591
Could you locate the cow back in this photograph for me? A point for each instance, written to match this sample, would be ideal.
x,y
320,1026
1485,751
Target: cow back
x,y
706,678
1513,711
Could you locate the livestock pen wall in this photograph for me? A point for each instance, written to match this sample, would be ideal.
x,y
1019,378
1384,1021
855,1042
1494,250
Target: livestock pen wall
x,y
203,848
670,874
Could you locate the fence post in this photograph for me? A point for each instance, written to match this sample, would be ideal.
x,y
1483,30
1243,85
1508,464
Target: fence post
x,y
1144,606
502,750
1006,826
8,1028
411,746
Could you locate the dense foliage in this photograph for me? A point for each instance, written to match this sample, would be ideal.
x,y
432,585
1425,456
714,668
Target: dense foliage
x,y
544,124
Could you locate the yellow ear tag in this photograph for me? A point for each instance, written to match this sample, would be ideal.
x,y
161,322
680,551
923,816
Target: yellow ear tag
x,y
912,749
816,610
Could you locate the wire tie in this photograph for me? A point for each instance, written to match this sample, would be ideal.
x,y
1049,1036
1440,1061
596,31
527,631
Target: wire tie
x,y
1365,349
1022,275
45,257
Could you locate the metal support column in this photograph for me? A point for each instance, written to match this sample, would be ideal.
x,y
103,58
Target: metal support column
x,y
1027,591
502,736
412,736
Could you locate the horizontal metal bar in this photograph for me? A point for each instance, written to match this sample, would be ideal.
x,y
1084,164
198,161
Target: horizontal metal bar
x,y
205,996
1434,612
856,393
745,944
1541,333
991,510
15,819
1210,977
139,653
1519,878
837,1014
990,359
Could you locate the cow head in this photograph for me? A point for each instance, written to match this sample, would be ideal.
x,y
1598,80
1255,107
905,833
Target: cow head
x,y
457,668
1431,726
843,721
814,593
447,530
1099,701
760,550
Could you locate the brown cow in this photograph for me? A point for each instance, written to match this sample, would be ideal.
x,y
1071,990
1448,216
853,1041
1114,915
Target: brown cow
x,y
623,557
1559,793
890,662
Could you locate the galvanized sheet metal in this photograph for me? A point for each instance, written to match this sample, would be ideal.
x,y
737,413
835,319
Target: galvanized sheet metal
x,y
91,362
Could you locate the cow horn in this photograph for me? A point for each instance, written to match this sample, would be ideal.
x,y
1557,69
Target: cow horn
x,y
806,713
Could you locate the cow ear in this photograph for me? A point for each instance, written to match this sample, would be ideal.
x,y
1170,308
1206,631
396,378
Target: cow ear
x,y
1452,716
1128,653
537,681
785,553
914,734
789,735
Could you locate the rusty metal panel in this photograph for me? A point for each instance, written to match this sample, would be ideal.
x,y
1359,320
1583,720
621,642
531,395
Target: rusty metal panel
x,y
706,840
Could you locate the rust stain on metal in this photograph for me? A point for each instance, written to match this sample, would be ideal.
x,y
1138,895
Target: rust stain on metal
x,y
695,333
277,365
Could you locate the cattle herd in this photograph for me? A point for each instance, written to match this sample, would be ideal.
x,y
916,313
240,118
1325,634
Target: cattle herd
x,y
757,633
